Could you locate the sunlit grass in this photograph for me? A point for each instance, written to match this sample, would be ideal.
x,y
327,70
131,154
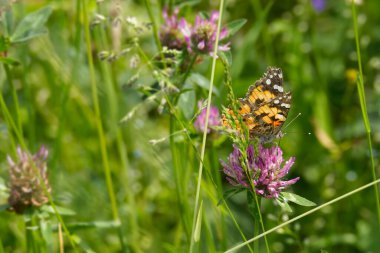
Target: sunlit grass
x,y
128,169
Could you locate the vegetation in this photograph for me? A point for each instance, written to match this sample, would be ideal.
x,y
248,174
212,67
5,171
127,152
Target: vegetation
x,y
121,128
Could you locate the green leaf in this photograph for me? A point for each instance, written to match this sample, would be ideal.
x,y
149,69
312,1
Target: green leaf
x,y
187,103
226,57
93,224
252,205
240,58
4,207
284,206
204,15
60,210
31,26
297,199
234,26
97,224
4,43
46,232
3,187
189,3
1,247
9,61
229,193
198,226
201,81
324,251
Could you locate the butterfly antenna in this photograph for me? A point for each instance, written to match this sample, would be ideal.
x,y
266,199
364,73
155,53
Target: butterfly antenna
x,y
299,114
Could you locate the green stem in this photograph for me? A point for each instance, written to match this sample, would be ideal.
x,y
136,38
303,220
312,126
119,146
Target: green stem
x,y
155,30
133,225
256,226
237,225
20,139
30,243
261,222
188,71
112,114
256,198
11,125
99,126
260,12
214,164
67,86
200,169
360,85
17,129
183,210
303,215
7,115
1,246
8,73
174,115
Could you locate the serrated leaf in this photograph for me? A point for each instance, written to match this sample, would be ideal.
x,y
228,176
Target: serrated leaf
x,y
198,225
234,26
9,61
229,193
297,199
31,26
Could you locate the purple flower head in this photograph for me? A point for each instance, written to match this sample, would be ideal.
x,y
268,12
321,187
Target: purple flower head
x,y
213,120
267,170
201,36
319,5
170,34
27,188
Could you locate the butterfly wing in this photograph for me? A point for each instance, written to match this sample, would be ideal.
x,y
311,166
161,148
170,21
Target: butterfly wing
x,y
265,106
269,105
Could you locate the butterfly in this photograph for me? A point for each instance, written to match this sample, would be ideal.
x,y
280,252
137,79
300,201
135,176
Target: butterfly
x,y
264,108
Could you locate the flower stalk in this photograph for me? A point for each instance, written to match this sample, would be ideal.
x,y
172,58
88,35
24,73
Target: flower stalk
x,y
200,169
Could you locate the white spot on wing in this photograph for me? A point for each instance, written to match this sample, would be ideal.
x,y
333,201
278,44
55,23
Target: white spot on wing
x,y
279,88
285,105
268,81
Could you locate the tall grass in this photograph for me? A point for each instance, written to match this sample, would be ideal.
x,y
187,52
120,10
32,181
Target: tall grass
x,y
122,148
197,213
363,106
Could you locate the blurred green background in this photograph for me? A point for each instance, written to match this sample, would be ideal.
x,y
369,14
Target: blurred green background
x,y
315,49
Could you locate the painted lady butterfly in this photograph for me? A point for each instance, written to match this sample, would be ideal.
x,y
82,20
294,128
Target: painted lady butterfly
x,y
265,107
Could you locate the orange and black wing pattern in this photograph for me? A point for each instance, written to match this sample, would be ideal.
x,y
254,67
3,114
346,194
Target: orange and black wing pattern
x,y
264,108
